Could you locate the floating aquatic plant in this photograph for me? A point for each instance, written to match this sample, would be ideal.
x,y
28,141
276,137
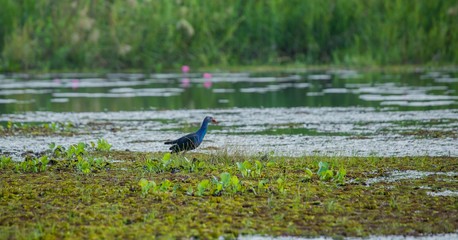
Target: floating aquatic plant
x,y
146,185
33,165
76,150
88,165
226,183
247,169
102,145
125,202
5,162
203,187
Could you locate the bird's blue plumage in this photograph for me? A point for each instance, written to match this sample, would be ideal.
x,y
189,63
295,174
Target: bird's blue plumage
x,y
191,141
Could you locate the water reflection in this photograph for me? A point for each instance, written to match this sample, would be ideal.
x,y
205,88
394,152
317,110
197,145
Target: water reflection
x,y
187,90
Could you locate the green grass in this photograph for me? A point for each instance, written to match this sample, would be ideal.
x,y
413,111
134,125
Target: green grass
x,y
210,195
158,35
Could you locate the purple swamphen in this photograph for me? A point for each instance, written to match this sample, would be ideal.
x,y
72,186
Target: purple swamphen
x,y
193,140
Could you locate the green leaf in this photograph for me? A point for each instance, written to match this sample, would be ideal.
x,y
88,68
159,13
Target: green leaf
x,y
308,172
143,182
239,166
166,157
340,176
247,164
262,183
270,164
203,186
322,168
326,175
219,187
235,180
258,164
225,178
165,185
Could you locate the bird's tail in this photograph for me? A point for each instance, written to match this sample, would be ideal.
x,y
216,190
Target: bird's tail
x,y
170,142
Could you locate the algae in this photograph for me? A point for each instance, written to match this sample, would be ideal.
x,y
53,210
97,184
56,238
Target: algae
x,y
212,195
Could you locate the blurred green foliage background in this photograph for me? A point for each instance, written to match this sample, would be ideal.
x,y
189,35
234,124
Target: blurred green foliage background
x,y
154,35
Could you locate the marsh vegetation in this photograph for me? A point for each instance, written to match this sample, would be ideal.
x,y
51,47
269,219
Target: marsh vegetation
x,y
88,190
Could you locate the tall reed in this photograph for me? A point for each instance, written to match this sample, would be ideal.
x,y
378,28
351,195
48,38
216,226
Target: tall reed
x,y
159,34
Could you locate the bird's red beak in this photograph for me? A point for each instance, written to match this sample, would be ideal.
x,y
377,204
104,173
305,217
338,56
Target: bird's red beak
x,y
214,121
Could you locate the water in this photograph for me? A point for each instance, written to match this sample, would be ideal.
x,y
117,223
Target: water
x,y
339,112
133,92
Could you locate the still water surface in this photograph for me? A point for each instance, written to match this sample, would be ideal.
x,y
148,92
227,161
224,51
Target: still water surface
x,y
338,112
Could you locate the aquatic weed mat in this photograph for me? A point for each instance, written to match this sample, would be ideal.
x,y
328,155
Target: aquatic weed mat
x,y
111,194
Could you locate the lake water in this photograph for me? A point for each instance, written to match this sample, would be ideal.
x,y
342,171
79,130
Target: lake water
x,y
296,112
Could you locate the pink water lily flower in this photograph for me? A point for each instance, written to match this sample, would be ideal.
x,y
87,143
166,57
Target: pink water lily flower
x,y
208,81
185,68
207,75
207,84
185,82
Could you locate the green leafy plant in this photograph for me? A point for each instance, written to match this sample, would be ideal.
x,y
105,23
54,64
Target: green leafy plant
x,y
146,185
56,150
308,175
235,185
152,165
226,183
83,165
190,191
281,186
244,168
258,168
194,165
262,185
324,172
223,183
203,186
43,163
247,169
102,145
33,165
166,160
88,165
340,176
157,166
165,185
53,126
5,162
76,150
9,125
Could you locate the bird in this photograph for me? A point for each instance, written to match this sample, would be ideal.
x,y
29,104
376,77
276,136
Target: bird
x,y
193,140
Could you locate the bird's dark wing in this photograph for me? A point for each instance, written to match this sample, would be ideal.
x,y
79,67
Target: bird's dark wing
x,y
187,142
